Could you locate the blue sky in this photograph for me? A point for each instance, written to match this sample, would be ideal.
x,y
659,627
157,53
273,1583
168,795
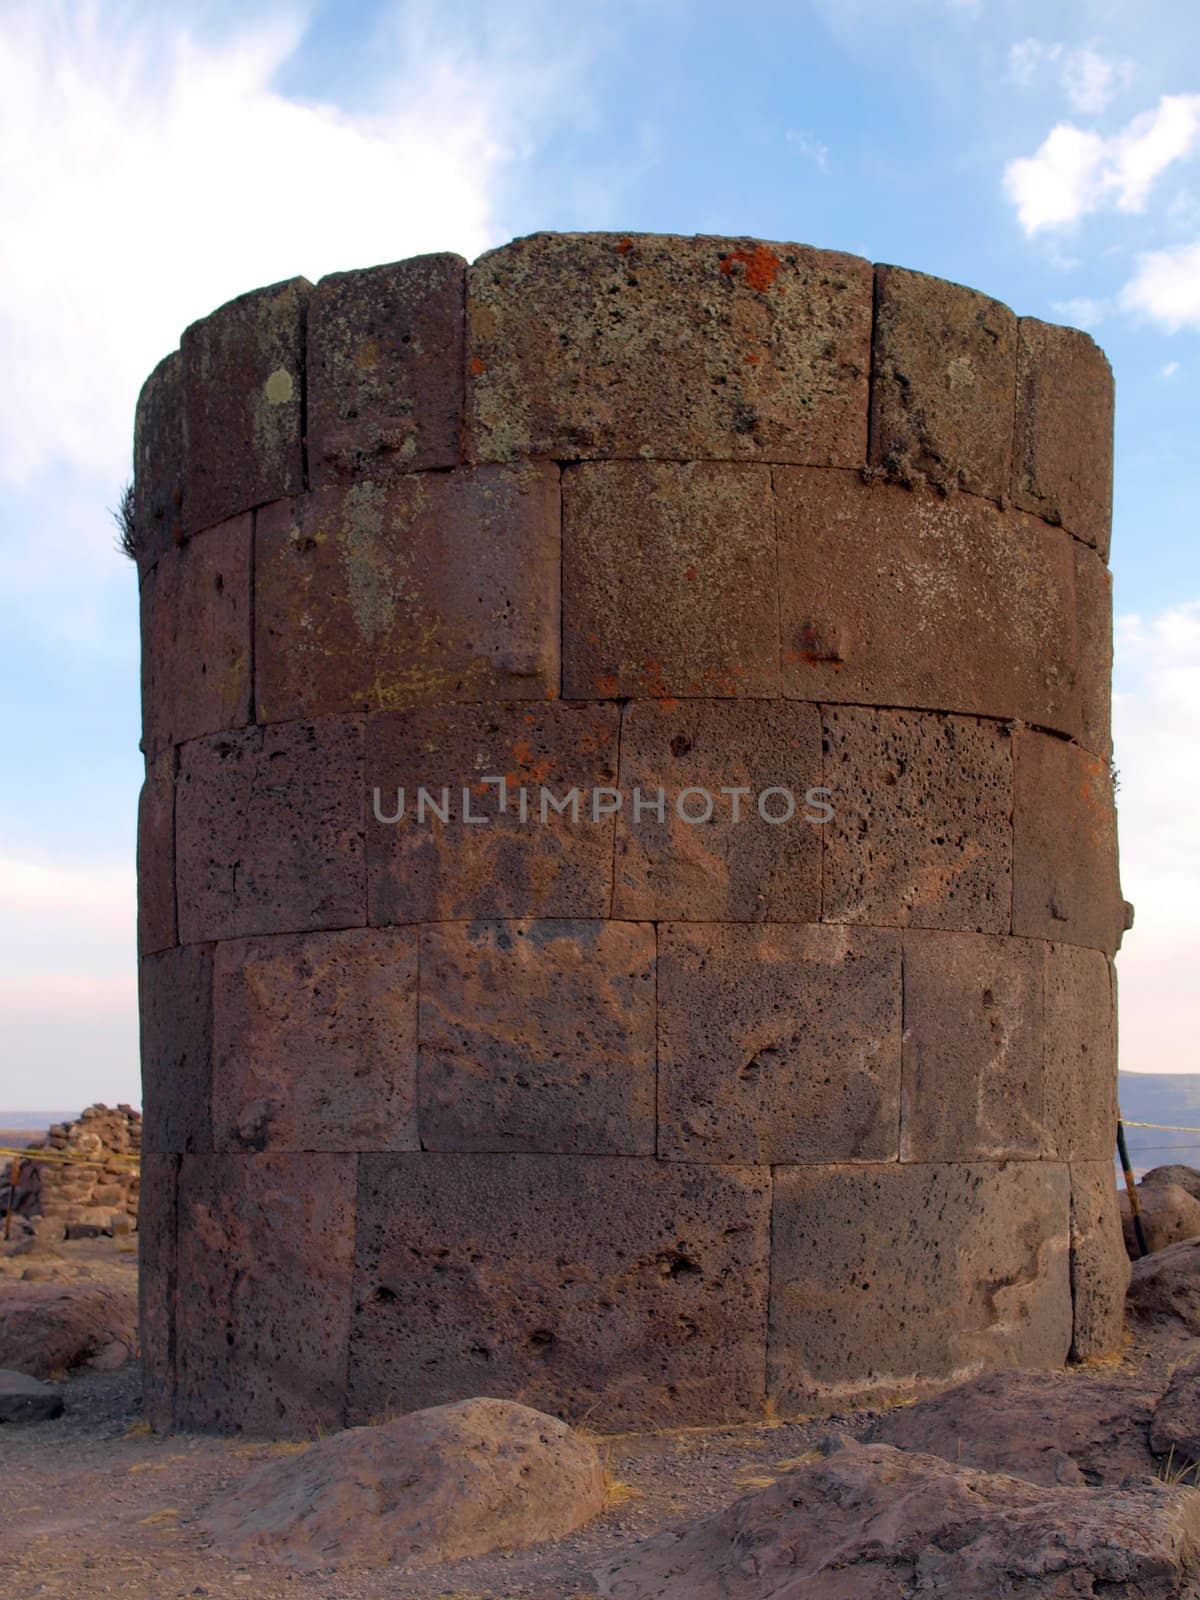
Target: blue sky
x,y
156,160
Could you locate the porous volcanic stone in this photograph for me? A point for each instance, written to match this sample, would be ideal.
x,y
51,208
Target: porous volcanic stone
x,y
1094,646
1175,1430
158,457
684,349
56,1327
433,588
176,1013
778,1043
538,1036
622,1290
315,1041
1168,1215
156,856
1099,1264
157,1284
1081,1054
385,368
669,580
1164,1292
1186,1177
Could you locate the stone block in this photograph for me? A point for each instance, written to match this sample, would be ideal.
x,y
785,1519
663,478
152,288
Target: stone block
x,y
157,1279
921,832
196,607
1081,1054
942,375
434,588
1094,636
778,1043
1063,448
156,857
737,866
904,597
266,1252
669,580
511,864
679,348
1099,1265
315,1041
176,1039
538,1036
1065,881
888,1279
269,830
243,383
973,1048
158,462
386,368
626,1291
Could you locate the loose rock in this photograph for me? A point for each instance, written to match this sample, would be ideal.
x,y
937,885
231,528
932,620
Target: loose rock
x,y
24,1399
1168,1212
1164,1291
51,1327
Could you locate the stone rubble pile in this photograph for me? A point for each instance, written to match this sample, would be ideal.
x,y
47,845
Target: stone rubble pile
x,y
93,1192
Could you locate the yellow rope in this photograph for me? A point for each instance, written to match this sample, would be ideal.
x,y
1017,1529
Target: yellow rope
x,y
1161,1127
35,1156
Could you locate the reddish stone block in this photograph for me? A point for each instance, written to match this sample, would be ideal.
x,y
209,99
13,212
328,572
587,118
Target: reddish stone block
x,y
1094,631
386,368
158,462
1081,1054
196,638
269,830
889,1279
898,597
266,1252
157,1279
942,376
511,863
973,1048
669,580
1099,1264
721,870
156,857
315,1041
243,381
175,993
1062,458
778,1043
538,1036
435,588
683,349
921,834
1065,881
626,1291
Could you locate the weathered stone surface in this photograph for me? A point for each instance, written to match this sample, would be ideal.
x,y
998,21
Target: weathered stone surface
x,y
26,1399
1164,1291
315,1041
921,835
903,597
266,1248
778,1043
158,462
156,856
538,1036
1167,1213
269,830
669,580
386,368
943,366
1094,645
1175,1428
431,589
1185,1177
1062,457
684,349
871,1523
512,864
1099,1264
57,1327
1081,1054
973,1047
619,1290
243,376
1065,881
887,1277
157,1283
196,638
437,1485
176,1036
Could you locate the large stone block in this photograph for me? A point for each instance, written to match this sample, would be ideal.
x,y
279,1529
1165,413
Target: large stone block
x,y
156,856
1099,1265
176,1041
1081,1054
886,1279
1065,881
669,580
512,863
269,830
737,866
266,1254
315,1041
1063,450
158,462
622,1290
434,588
683,349
942,376
921,832
243,383
778,1043
538,1036
973,1048
898,597
196,607
386,368
1094,637
157,1279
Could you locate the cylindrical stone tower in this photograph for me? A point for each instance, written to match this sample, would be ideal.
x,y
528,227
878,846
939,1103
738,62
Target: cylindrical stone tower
x,y
637,1106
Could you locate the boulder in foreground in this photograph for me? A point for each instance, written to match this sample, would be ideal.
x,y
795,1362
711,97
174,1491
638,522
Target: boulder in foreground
x,y
26,1399
58,1326
1164,1292
1168,1213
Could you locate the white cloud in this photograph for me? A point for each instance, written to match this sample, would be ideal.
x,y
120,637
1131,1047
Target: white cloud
x,y
1166,287
804,144
1089,79
1082,311
1168,369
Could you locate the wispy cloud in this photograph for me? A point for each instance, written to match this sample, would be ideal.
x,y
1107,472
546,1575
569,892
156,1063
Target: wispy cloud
x,y
1166,287
810,148
1089,79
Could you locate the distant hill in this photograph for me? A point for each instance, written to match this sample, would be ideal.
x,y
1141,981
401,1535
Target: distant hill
x,y
1172,1097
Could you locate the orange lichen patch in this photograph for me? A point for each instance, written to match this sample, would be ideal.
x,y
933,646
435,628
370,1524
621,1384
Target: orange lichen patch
x,y
762,266
813,649
528,764
624,246
606,684
655,685
690,573
751,360
477,366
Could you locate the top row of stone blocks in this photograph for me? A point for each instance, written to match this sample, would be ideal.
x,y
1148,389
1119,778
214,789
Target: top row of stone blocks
x,y
606,346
